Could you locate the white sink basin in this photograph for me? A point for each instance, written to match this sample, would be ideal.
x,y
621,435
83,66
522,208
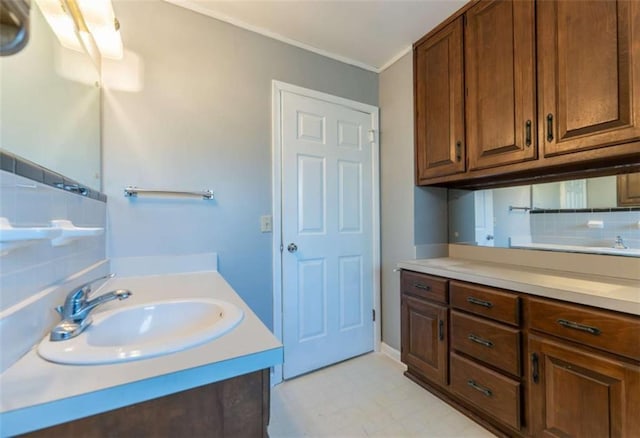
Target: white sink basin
x,y
145,330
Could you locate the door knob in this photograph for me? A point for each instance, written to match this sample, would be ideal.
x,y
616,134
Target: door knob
x,y
292,247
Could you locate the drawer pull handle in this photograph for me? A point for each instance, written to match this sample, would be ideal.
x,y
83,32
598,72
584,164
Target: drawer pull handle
x,y
421,286
485,391
549,127
535,371
576,326
458,151
478,340
478,302
441,330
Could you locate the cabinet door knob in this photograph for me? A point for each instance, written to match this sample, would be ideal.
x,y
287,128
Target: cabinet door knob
x,y
458,151
527,133
535,372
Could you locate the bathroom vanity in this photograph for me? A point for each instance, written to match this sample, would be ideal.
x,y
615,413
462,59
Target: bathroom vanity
x,y
218,388
525,351
233,407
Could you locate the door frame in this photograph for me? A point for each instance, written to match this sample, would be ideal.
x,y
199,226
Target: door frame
x,y
278,88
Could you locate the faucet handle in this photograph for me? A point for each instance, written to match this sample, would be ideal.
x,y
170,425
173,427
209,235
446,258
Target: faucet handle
x,y
76,298
84,290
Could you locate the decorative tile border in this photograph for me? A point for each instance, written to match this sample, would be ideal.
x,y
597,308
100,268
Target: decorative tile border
x,y
28,169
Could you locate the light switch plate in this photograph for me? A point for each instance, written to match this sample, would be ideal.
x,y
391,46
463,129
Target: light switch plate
x,y
266,225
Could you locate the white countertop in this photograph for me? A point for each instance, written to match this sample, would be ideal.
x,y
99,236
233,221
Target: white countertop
x,y
618,294
36,393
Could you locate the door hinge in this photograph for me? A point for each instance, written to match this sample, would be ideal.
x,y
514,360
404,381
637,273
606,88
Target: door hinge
x,y
281,247
373,314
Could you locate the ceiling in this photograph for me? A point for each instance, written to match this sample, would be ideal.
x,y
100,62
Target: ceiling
x,y
371,34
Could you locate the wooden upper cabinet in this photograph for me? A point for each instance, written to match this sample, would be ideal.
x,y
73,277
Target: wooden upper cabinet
x,y
629,190
500,82
589,74
439,104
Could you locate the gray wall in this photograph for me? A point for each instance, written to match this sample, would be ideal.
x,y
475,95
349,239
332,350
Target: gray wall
x,y
413,220
462,216
203,120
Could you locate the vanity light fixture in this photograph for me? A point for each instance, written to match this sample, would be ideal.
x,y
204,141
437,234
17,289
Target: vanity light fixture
x,y
84,25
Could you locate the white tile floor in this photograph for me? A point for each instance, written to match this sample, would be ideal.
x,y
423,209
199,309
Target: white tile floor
x,y
365,396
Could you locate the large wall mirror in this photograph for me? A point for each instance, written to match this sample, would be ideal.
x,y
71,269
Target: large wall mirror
x,y
594,215
575,194
50,105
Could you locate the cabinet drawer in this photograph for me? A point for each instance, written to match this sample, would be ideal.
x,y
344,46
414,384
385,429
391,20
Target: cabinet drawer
x,y
425,286
608,331
485,301
493,393
495,344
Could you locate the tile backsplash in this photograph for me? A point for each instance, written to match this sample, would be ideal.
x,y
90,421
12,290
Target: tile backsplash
x,y
28,273
570,228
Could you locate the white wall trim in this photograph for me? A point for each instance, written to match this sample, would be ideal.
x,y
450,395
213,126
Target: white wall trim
x,y
276,211
276,149
392,353
195,7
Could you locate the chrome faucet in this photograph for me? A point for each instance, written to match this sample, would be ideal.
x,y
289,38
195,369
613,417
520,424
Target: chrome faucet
x,y
619,243
77,306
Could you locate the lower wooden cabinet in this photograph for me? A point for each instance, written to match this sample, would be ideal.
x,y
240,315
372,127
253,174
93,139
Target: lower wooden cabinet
x,y
424,340
521,365
236,407
576,393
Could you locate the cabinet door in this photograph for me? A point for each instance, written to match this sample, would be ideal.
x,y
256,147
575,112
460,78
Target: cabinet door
x,y
424,338
581,394
629,190
439,104
500,81
589,73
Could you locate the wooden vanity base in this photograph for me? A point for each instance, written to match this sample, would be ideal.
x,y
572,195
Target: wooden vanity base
x,y
237,407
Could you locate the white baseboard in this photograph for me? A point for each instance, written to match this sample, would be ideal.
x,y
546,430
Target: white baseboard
x,y
391,352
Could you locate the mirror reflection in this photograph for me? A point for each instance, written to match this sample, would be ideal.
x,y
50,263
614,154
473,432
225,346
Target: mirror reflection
x,y
50,105
581,193
594,215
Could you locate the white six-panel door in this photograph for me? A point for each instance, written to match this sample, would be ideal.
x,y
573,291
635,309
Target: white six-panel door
x,y
327,233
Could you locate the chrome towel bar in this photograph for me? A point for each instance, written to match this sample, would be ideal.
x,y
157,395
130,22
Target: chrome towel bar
x,y
132,191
